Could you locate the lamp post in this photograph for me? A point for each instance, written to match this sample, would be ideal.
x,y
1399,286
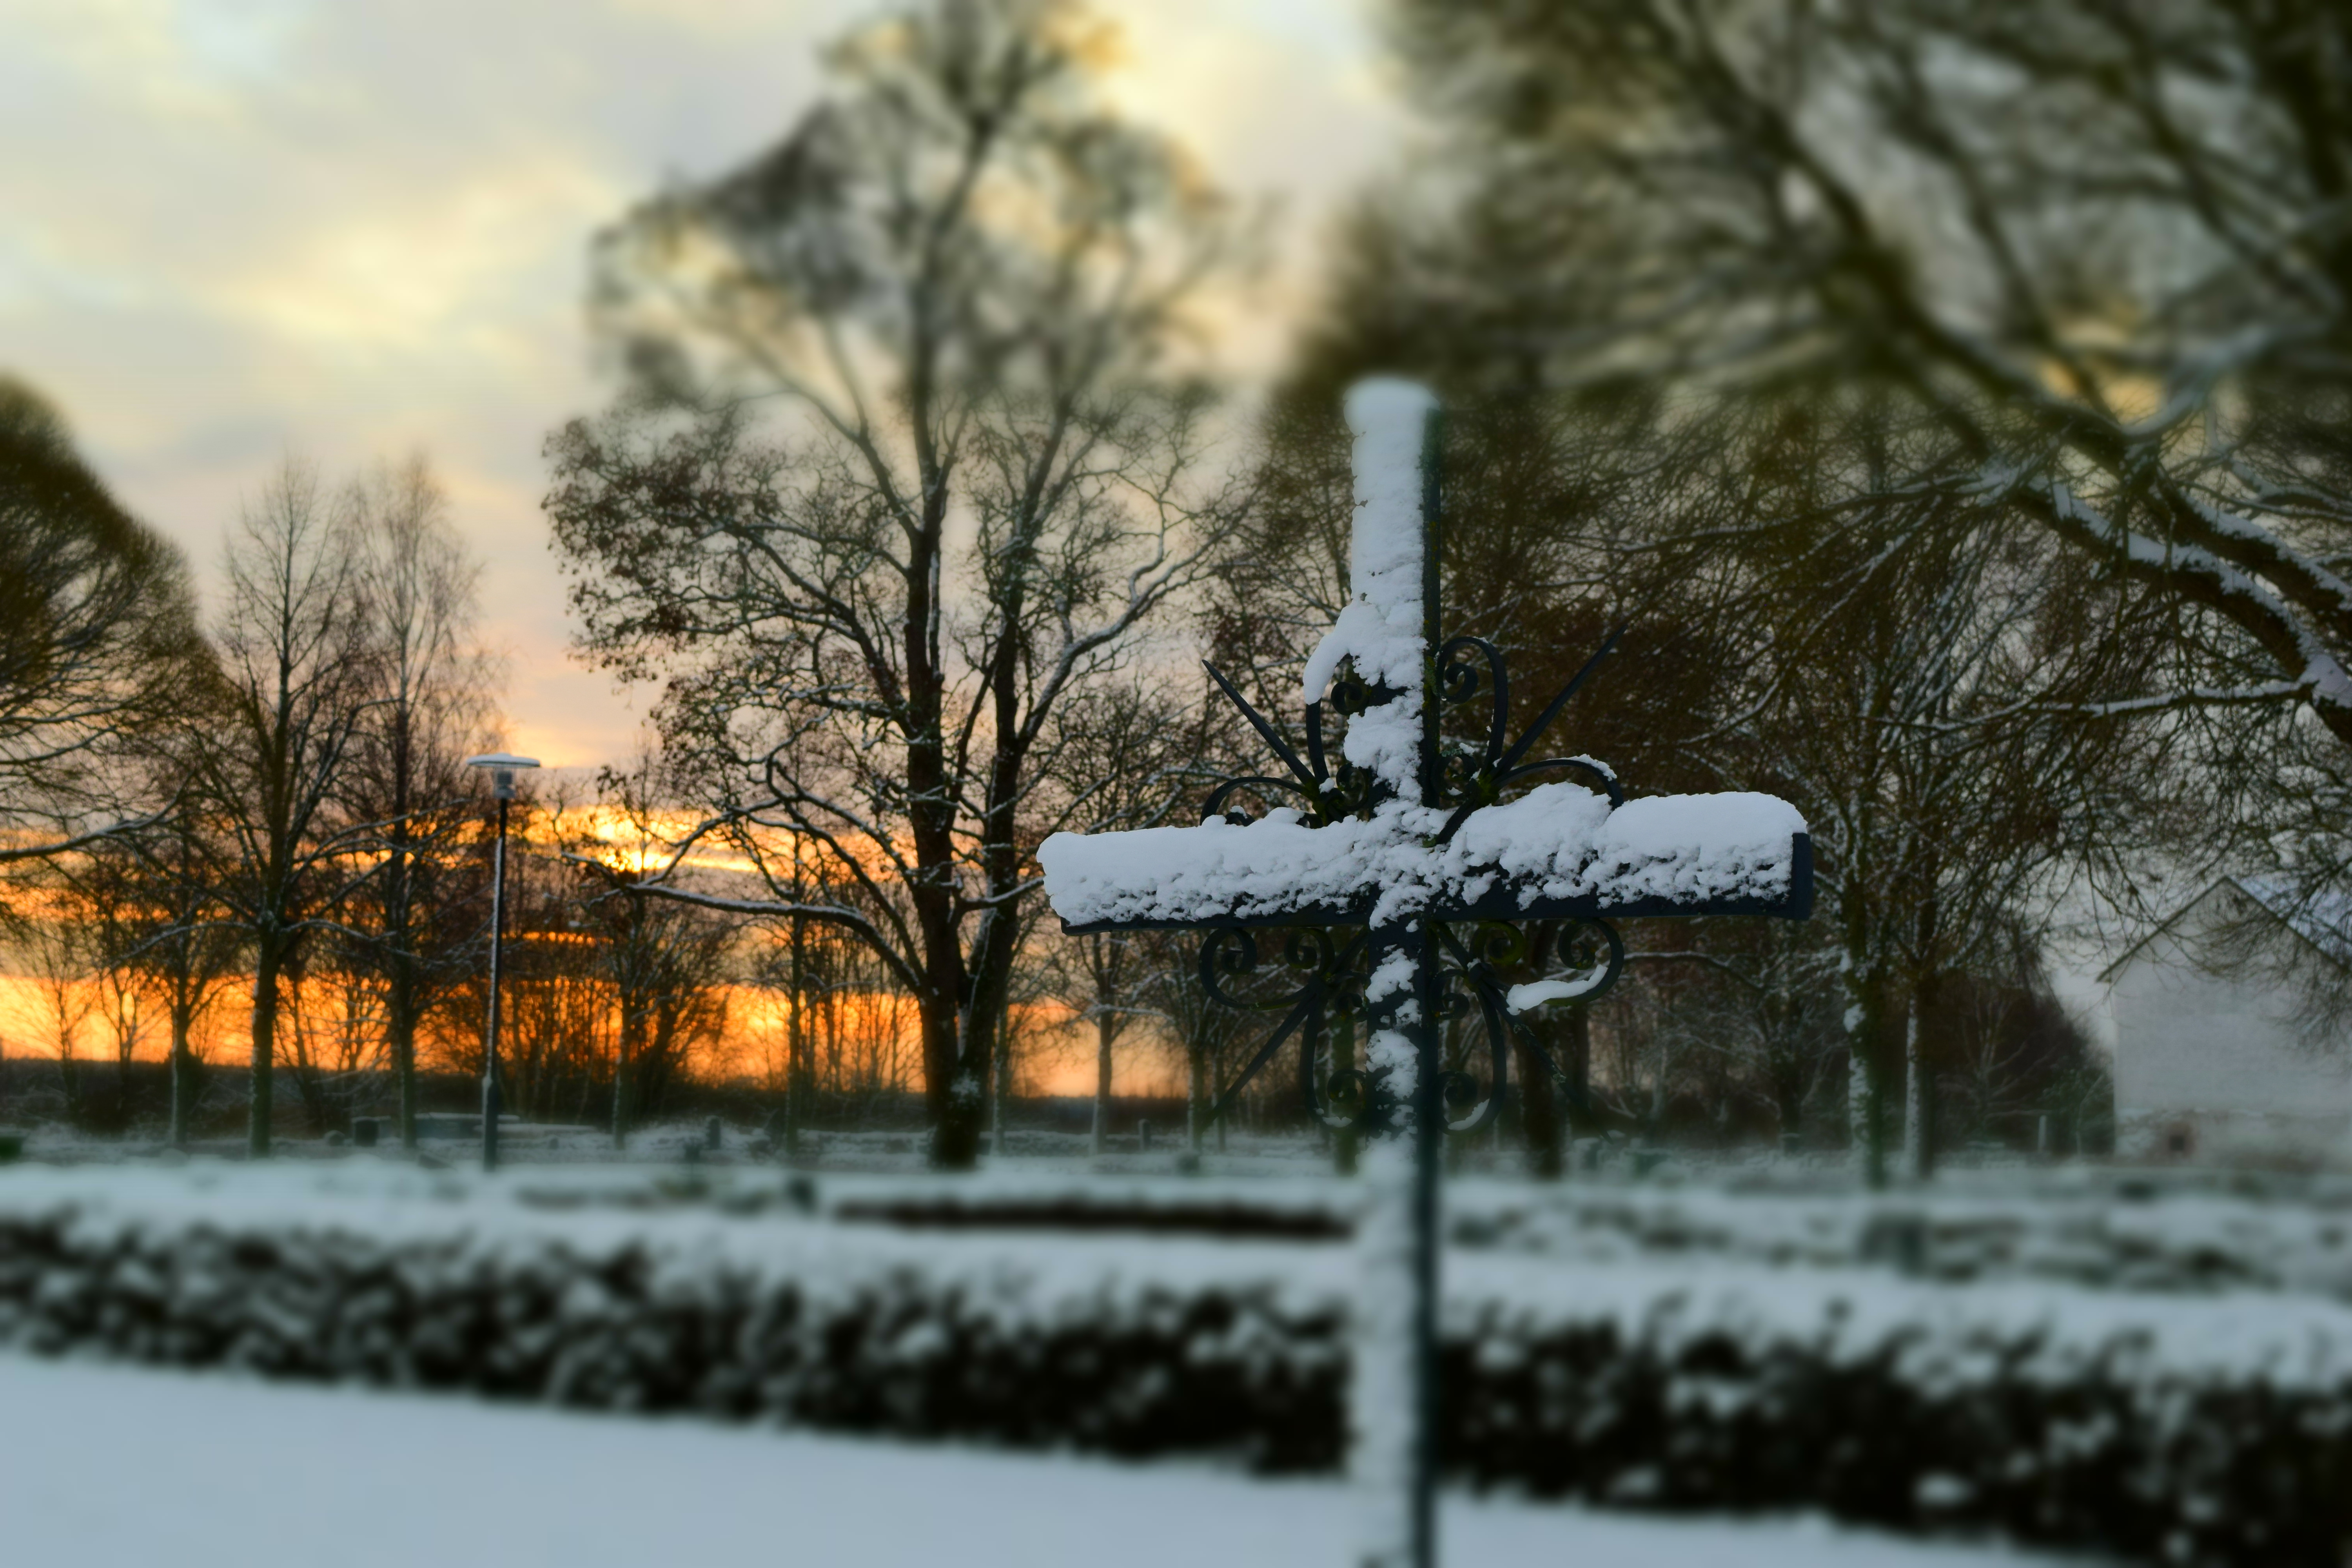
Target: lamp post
x,y
502,766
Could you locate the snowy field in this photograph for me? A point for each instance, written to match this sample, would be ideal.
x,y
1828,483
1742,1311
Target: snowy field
x,y
102,1466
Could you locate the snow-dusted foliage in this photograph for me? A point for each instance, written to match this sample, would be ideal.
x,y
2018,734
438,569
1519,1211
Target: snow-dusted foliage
x,y
1111,1348
1559,841
2116,1231
2188,1428
2187,1242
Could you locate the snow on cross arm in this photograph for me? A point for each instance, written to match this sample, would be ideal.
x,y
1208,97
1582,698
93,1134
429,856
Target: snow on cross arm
x,y
1558,850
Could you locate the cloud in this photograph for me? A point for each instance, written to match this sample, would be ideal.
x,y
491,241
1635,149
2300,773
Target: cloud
x,y
244,227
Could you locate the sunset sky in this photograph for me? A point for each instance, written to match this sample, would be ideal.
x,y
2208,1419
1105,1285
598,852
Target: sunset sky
x,y
235,229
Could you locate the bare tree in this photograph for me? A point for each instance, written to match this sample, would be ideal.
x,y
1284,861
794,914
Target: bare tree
x,y
416,581
666,962
2096,246
147,889
186,957
1134,756
334,1030
1923,702
61,957
298,683
952,291
558,1022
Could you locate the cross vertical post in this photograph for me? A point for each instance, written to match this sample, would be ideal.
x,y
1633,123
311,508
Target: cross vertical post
x,y
1411,934
1456,875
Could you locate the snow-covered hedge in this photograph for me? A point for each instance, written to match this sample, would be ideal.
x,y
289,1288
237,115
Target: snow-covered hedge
x,y
2121,1231
2112,1235
925,1337
2172,1427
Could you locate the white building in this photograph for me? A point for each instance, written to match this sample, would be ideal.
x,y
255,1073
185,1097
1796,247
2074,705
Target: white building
x,y
2212,1061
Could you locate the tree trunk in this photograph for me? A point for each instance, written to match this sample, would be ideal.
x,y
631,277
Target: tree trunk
x,y
999,1081
1866,1029
183,1090
1539,1103
954,1091
1653,1120
259,1103
1914,1121
400,1006
1788,1108
1196,1095
1102,1082
400,1011
1922,1141
69,1082
1867,1085
633,1023
959,1108
961,1104
796,1044
1579,1071
125,1045
1347,1144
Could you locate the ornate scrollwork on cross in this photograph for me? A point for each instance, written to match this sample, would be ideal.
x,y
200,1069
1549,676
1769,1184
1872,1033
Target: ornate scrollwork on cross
x,y
1479,951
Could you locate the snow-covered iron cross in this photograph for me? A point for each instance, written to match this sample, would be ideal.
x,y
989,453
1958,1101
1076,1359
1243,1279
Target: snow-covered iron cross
x,y
1404,874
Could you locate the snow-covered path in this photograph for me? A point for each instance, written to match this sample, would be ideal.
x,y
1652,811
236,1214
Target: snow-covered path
x,y
102,1466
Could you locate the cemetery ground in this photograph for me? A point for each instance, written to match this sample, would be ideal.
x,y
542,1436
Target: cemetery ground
x,y
233,1472
1654,1363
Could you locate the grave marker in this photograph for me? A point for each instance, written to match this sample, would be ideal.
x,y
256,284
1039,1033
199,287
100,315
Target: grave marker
x,y
1403,875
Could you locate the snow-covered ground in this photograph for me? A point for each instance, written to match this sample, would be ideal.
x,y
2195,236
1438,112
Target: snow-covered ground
x,y
104,1466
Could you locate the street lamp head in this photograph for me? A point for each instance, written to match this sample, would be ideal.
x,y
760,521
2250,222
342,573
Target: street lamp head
x,y
503,766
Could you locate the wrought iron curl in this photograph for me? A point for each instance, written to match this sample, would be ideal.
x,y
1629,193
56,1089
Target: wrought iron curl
x,y
1351,694
1459,1090
1310,951
1595,947
1359,1101
1474,955
1465,669
1498,944
1228,951
1232,952
1591,767
1460,680
1215,806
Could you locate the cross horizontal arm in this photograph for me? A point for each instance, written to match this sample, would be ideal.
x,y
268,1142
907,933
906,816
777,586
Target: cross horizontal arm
x,y
1559,850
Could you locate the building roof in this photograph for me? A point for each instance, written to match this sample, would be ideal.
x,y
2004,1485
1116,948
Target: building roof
x,y
2322,919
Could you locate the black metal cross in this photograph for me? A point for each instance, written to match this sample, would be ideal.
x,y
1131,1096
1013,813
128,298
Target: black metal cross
x,y
1405,872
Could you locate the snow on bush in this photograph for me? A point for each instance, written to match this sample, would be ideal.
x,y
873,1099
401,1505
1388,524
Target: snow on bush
x,y
2119,1232
2179,1428
2189,1241
848,1330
